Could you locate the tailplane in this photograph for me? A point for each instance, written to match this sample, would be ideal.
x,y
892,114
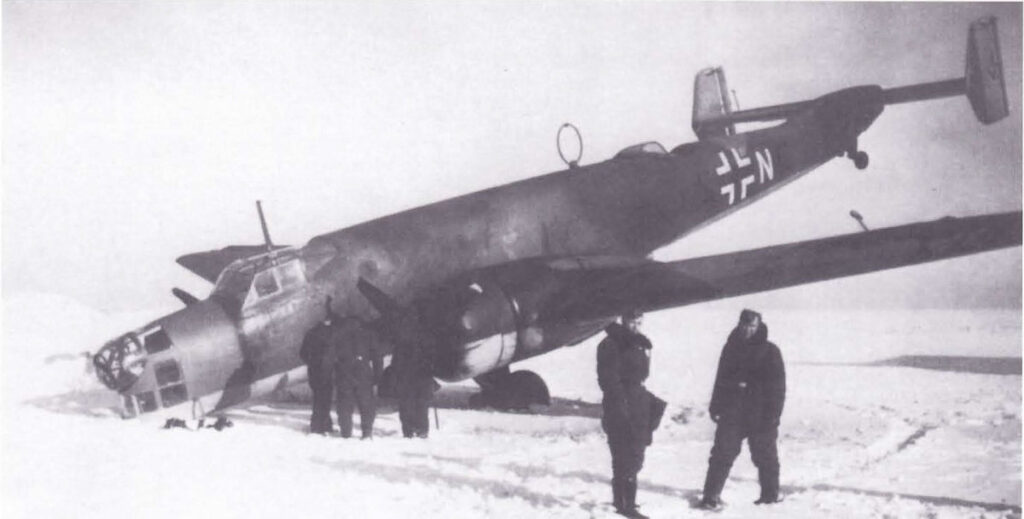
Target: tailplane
x,y
982,83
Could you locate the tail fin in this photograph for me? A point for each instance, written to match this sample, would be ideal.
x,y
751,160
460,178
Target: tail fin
x,y
711,104
982,82
986,88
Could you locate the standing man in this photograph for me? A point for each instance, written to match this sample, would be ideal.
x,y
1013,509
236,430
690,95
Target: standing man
x,y
747,401
629,412
355,359
413,376
315,346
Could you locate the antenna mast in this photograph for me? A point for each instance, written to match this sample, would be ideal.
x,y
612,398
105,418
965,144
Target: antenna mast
x,y
263,225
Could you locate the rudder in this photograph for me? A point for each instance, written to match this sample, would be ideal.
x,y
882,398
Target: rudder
x,y
710,103
986,88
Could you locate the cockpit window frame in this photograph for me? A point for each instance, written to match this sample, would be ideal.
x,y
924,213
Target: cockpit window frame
x,y
264,284
287,275
235,281
290,274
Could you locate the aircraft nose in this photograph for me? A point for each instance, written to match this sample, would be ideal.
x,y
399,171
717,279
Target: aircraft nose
x,y
180,357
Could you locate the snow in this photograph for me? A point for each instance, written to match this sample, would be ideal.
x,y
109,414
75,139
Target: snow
x,y
857,440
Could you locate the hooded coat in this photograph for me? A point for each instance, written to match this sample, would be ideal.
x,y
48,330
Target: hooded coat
x,y
750,387
622,367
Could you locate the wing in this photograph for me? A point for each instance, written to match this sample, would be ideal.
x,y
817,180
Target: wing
x,y
601,292
208,265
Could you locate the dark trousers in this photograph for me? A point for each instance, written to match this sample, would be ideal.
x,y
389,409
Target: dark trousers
x,y
627,457
763,452
627,460
321,421
349,396
413,412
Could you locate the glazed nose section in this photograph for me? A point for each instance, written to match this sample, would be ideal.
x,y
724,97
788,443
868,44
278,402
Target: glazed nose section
x,y
120,362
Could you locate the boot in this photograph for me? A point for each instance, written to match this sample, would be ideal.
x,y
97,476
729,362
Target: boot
x,y
630,499
714,482
616,494
769,480
711,504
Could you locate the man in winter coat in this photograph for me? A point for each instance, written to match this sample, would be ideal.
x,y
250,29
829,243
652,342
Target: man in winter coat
x,y
413,376
630,412
747,401
355,359
315,345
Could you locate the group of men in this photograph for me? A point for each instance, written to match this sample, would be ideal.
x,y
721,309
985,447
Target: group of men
x,y
343,359
746,403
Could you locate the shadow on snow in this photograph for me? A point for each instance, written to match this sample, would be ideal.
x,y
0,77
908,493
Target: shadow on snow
x,y
979,365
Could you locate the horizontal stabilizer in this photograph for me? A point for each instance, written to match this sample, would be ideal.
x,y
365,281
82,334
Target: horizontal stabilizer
x,y
983,83
208,265
607,292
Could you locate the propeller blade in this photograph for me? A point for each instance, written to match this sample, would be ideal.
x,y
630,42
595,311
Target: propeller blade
x,y
385,304
184,296
399,323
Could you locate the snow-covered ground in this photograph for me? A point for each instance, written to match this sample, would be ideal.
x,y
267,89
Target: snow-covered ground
x,y
857,439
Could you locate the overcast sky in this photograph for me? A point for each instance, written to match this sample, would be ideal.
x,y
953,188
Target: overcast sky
x,y
135,132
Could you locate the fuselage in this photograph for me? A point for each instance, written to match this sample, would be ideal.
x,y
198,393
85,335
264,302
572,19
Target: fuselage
x,y
628,206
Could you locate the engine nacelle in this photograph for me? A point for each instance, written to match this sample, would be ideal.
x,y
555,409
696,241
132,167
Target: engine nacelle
x,y
491,317
473,321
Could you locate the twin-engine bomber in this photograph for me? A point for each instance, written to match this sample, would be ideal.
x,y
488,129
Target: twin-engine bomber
x,y
501,275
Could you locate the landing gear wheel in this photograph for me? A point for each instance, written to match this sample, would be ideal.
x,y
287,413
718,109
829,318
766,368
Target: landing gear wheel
x,y
511,391
860,159
526,387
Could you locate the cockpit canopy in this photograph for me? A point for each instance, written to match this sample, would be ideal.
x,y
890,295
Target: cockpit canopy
x,y
249,280
641,150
